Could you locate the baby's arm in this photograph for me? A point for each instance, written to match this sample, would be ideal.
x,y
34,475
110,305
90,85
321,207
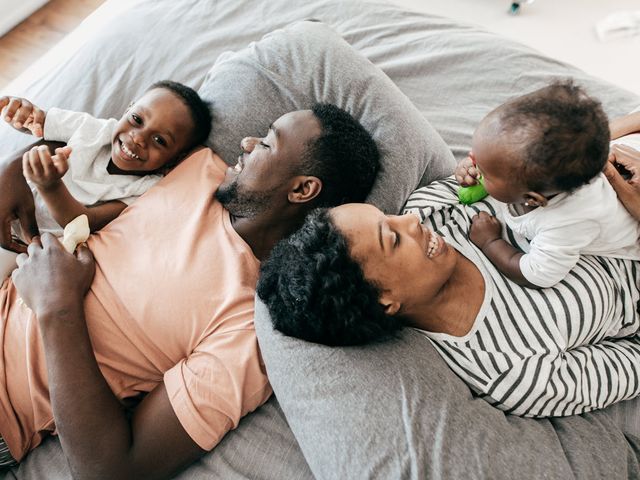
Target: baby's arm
x,y
485,233
46,172
22,115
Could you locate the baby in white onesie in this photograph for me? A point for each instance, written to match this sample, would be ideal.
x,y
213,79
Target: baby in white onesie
x,y
542,155
106,164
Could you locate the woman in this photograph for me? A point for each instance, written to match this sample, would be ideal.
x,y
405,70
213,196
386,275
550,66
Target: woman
x,y
352,275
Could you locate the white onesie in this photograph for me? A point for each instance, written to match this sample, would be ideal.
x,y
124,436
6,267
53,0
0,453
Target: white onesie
x,y
591,220
87,178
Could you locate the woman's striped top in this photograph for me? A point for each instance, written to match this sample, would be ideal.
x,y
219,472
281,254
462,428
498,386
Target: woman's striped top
x,y
558,351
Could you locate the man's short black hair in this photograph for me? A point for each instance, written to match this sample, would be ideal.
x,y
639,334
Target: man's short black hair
x,y
198,108
344,156
562,135
315,291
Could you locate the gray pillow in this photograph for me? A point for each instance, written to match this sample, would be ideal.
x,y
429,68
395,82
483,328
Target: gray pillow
x,y
395,410
307,62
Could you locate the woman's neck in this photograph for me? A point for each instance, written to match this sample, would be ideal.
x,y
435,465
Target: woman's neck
x,y
456,307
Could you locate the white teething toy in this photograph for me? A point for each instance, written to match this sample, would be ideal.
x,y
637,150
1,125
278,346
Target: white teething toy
x,y
76,231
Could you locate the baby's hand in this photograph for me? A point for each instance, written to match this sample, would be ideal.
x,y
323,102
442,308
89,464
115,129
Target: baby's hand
x,y
39,167
484,229
22,115
466,172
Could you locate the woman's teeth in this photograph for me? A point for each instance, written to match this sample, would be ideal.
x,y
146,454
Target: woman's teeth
x,y
433,245
128,152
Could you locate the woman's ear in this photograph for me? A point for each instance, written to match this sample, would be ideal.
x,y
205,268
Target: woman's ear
x,y
305,189
535,199
391,306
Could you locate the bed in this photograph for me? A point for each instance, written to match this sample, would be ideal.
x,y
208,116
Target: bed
x,y
392,410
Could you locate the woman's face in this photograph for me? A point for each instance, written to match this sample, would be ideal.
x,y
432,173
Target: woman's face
x,y
408,262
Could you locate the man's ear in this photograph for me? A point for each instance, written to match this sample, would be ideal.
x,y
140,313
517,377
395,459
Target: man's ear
x,y
535,199
391,306
305,189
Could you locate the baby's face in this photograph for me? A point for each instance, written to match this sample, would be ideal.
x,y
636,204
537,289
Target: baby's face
x,y
154,131
497,164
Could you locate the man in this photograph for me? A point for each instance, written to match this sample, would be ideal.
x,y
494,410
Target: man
x,y
167,320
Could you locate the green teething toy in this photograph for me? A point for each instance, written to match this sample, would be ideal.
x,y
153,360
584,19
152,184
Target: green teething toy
x,y
472,194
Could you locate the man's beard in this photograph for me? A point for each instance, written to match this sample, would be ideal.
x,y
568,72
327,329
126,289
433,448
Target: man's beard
x,y
241,203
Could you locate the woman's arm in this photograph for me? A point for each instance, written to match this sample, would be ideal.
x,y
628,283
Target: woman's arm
x,y
571,382
98,438
622,126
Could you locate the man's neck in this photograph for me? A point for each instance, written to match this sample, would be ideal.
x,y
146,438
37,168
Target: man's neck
x,y
263,231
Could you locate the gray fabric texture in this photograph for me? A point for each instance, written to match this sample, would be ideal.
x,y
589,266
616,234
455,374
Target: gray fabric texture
x,y
336,400
305,63
261,448
395,410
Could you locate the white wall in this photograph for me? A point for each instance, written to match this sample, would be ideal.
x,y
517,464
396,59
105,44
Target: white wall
x,y
12,12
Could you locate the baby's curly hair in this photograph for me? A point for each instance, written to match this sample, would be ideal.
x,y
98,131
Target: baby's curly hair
x,y
561,135
315,291
199,109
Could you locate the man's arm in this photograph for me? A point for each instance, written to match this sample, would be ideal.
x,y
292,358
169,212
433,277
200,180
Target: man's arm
x,y
16,200
98,438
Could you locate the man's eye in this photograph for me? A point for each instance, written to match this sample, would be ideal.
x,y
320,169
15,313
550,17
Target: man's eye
x,y
160,141
136,119
262,144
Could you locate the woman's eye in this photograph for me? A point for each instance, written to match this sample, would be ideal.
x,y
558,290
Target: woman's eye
x,y
160,141
396,239
136,119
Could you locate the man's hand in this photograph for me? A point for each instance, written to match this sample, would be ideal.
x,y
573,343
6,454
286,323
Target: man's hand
x,y
22,115
484,230
39,167
628,191
466,172
16,203
49,279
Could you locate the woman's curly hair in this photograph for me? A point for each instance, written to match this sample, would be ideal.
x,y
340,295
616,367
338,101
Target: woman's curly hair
x,y
315,291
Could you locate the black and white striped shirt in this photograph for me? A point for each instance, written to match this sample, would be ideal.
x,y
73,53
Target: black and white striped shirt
x,y
558,351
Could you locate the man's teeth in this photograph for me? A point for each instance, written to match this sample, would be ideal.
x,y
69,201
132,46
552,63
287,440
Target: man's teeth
x,y
433,244
129,152
237,168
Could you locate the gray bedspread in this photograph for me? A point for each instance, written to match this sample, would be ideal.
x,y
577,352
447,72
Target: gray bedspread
x,y
454,74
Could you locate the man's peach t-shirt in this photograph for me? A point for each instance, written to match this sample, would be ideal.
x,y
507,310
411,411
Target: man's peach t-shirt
x,y
172,300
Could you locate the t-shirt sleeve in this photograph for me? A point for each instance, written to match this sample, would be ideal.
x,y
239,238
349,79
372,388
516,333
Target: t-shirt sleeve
x,y
222,380
60,125
570,382
438,196
555,251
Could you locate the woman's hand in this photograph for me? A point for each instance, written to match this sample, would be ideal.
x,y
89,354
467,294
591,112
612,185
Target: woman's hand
x,y
628,191
466,172
484,230
49,279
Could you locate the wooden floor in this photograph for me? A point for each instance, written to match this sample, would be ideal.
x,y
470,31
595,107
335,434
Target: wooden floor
x,y
23,45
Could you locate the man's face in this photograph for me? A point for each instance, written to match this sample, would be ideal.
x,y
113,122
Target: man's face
x,y
264,169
